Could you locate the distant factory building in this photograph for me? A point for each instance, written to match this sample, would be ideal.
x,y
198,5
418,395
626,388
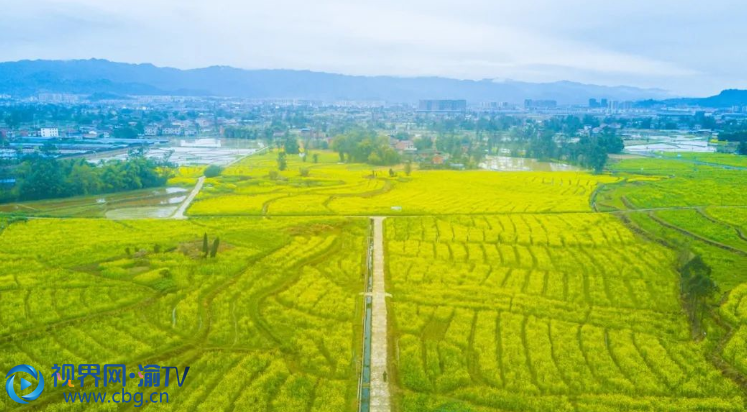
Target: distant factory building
x,y
442,106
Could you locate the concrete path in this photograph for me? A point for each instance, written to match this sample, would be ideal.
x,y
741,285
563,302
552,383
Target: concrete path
x,y
179,214
379,339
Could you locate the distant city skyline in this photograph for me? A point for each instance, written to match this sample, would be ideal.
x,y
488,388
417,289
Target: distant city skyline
x,y
689,48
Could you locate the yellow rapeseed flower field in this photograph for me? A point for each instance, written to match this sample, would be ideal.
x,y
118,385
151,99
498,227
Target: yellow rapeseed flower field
x,y
525,291
340,189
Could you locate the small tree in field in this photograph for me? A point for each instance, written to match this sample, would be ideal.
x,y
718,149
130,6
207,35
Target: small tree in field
x,y
282,162
214,250
408,168
697,286
213,171
205,244
291,145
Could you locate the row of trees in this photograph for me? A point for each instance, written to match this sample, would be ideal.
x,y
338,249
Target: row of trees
x,y
461,149
739,137
249,133
43,177
365,146
587,151
557,138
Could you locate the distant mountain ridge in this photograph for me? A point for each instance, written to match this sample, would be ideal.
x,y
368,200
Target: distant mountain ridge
x,y
725,99
94,76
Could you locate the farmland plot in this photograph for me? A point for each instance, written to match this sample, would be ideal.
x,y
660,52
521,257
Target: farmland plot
x,y
354,189
537,313
665,183
270,323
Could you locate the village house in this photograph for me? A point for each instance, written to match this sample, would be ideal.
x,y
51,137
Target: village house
x,y
405,146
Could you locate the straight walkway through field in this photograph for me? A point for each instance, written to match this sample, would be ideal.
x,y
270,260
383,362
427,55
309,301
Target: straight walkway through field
x,y
379,339
179,214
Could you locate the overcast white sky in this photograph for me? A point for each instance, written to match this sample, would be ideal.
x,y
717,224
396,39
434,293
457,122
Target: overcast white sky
x,y
689,47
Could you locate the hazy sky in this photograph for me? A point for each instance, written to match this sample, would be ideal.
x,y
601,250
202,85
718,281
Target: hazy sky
x,y
690,47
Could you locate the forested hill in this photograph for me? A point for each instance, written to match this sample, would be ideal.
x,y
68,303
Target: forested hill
x,y
725,99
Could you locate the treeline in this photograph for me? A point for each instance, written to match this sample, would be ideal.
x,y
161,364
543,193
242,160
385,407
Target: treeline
x,y
590,152
236,132
740,136
568,139
462,150
44,177
364,146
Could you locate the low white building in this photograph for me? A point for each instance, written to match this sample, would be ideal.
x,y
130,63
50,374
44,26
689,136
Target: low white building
x,y
171,131
151,131
49,132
